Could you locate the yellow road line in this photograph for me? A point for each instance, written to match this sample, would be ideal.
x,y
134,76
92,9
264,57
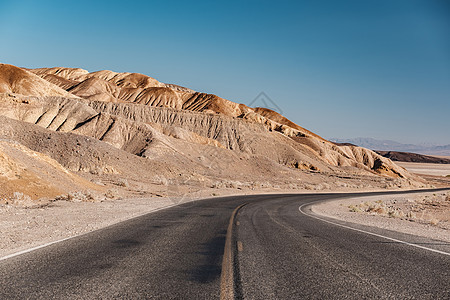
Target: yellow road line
x,y
240,246
227,291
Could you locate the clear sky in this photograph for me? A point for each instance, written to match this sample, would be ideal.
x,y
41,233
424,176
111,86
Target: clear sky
x,y
372,68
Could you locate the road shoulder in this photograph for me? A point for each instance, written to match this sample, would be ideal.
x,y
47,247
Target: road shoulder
x,y
353,210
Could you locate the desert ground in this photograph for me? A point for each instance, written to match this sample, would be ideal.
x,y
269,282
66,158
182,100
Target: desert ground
x,y
435,174
427,169
424,214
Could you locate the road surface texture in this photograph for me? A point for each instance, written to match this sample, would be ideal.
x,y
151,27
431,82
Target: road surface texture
x,y
273,250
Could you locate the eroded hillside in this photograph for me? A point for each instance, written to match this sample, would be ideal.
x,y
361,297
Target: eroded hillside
x,y
126,125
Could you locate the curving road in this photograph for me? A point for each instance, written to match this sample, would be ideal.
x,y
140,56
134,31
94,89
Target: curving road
x,y
273,250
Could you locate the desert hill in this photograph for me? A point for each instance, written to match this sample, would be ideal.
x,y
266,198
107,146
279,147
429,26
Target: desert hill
x,y
20,81
109,86
114,126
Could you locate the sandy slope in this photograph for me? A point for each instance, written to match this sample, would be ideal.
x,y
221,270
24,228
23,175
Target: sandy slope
x,y
29,175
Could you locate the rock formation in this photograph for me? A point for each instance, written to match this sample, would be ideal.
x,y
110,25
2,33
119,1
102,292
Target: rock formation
x,y
168,129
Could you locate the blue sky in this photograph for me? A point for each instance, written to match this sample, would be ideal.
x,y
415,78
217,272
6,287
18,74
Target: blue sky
x,y
373,68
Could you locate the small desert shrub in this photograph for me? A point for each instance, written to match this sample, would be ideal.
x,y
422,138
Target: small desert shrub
x,y
354,208
411,215
319,187
79,196
160,180
380,210
293,186
395,213
17,196
265,185
232,184
18,199
111,194
308,186
229,184
123,182
434,221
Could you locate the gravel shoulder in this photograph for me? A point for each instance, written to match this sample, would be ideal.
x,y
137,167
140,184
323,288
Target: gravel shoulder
x,y
424,214
25,228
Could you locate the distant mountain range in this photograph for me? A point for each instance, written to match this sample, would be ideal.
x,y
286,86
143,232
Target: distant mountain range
x,y
388,145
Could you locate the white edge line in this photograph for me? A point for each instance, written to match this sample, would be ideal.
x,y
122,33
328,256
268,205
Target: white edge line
x,y
84,233
371,233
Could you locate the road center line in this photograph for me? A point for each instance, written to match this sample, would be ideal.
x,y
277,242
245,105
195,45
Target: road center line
x,y
227,278
371,233
240,246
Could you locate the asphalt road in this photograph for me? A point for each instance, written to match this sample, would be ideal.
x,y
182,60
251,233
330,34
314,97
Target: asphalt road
x,y
276,252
